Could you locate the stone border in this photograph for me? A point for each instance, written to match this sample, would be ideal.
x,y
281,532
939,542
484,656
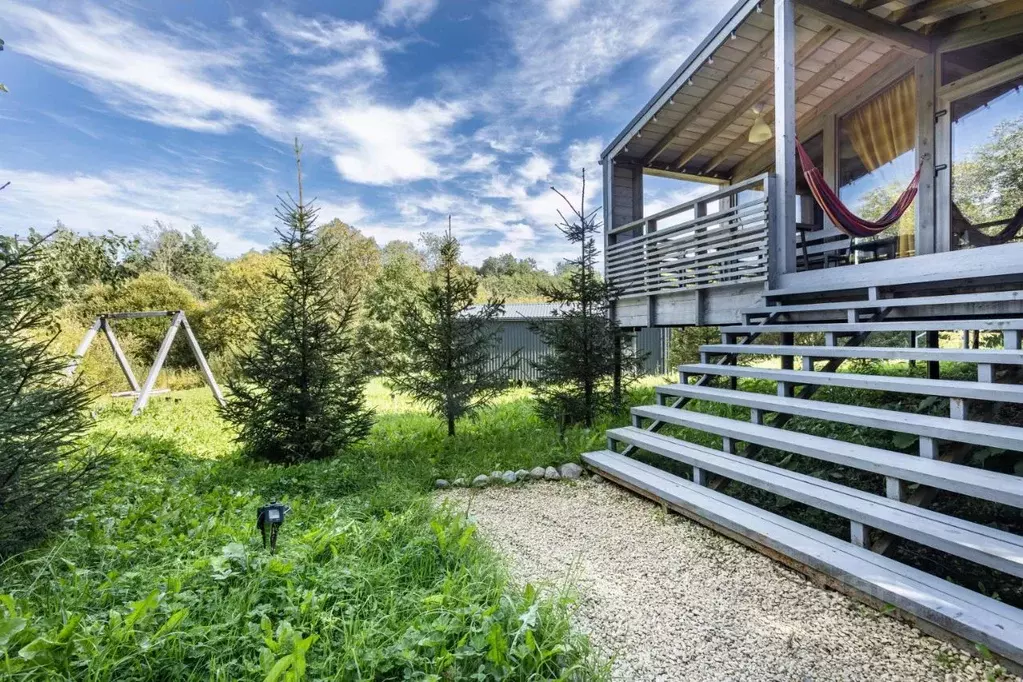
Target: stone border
x,y
568,471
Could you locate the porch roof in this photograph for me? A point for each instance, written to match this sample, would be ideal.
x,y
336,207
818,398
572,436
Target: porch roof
x,y
697,125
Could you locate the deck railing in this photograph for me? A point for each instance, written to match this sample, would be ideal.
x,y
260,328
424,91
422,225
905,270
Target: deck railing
x,y
722,240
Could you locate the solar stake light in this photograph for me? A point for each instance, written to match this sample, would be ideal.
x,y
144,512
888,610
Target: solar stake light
x,y
268,520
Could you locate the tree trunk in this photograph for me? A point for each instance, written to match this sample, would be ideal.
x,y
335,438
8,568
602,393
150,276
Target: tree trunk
x,y
451,425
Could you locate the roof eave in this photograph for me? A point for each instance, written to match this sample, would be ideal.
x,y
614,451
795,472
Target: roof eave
x,y
735,16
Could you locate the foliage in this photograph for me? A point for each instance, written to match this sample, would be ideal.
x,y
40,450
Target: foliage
x,y
67,262
402,276
189,259
684,346
354,260
163,576
445,343
44,473
241,294
149,291
590,360
514,279
299,392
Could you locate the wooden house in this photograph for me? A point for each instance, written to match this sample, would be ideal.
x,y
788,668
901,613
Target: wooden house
x,y
814,266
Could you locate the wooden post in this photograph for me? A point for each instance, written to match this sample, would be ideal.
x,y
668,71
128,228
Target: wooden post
x,y
783,252
859,534
154,371
76,359
1010,339
119,354
926,218
201,359
933,367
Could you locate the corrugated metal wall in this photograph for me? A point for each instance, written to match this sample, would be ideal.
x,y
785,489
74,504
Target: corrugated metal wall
x,y
516,335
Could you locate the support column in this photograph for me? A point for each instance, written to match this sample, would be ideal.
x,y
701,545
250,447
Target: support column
x,y
783,203
933,367
926,218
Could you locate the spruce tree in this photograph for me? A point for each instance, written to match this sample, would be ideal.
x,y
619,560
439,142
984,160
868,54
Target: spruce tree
x,y
591,358
446,343
45,470
299,391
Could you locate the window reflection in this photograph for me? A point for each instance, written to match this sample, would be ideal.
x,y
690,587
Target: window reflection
x,y
877,160
987,167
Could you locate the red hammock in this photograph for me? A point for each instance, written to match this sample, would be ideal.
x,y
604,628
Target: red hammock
x,y
844,219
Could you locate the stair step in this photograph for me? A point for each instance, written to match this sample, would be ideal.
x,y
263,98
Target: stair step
x,y
964,480
894,326
974,542
953,299
979,356
939,428
950,608
973,390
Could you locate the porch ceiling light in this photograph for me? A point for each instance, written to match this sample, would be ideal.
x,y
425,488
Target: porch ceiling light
x,y
760,132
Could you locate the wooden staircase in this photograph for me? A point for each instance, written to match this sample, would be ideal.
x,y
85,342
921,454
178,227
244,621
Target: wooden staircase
x,y
756,453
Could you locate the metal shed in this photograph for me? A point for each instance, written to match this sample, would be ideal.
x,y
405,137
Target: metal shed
x,y
516,335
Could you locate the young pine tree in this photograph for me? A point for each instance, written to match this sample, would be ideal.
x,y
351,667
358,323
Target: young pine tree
x,y
446,343
45,471
299,392
591,359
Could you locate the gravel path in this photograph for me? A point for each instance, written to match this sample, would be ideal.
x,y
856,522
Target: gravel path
x,y
671,600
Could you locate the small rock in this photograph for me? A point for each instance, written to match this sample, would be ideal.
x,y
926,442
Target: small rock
x,y
495,474
537,473
509,477
570,471
440,484
551,474
481,481
521,474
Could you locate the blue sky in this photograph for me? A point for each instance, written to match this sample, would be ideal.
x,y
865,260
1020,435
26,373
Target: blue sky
x,y
121,113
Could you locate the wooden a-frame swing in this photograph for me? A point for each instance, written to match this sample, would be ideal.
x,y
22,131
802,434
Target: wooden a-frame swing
x,y
104,323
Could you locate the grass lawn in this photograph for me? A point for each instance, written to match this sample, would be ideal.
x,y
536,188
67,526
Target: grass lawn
x,y
163,575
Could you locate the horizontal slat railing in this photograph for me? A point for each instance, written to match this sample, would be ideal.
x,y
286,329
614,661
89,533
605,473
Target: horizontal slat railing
x,y
723,242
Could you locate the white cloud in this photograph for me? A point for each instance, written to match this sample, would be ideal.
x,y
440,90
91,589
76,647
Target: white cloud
x,y
381,145
480,162
561,9
536,169
126,201
585,154
142,73
408,11
303,34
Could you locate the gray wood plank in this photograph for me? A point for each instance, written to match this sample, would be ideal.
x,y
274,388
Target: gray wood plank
x,y
953,299
83,346
981,355
201,359
896,326
122,360
941,428
940,387
967,614
974,542
154,371
956,478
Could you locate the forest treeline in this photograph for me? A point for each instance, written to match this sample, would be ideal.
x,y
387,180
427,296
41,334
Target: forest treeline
x,y
167,269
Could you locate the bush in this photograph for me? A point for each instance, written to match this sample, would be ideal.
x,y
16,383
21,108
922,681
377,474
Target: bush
x,y
43,472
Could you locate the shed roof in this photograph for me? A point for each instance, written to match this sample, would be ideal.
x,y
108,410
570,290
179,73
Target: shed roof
x,y
529,311
698,122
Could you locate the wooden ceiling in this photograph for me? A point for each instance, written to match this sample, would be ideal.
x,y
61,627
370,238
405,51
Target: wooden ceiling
x,y
702,130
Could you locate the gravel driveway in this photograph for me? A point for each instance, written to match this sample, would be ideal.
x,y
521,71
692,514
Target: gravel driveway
x,y
670,600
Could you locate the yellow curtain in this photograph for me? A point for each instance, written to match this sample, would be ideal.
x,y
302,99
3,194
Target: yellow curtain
x,y
882,130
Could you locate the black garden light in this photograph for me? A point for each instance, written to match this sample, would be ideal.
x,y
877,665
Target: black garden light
x,y
268,519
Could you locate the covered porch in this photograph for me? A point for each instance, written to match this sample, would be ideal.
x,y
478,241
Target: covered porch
x,y
874,90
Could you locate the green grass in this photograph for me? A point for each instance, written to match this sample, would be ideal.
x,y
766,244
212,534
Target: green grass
x,y
163,575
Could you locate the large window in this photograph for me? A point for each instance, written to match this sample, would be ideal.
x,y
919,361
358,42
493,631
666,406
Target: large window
x,y
876,161
987,167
